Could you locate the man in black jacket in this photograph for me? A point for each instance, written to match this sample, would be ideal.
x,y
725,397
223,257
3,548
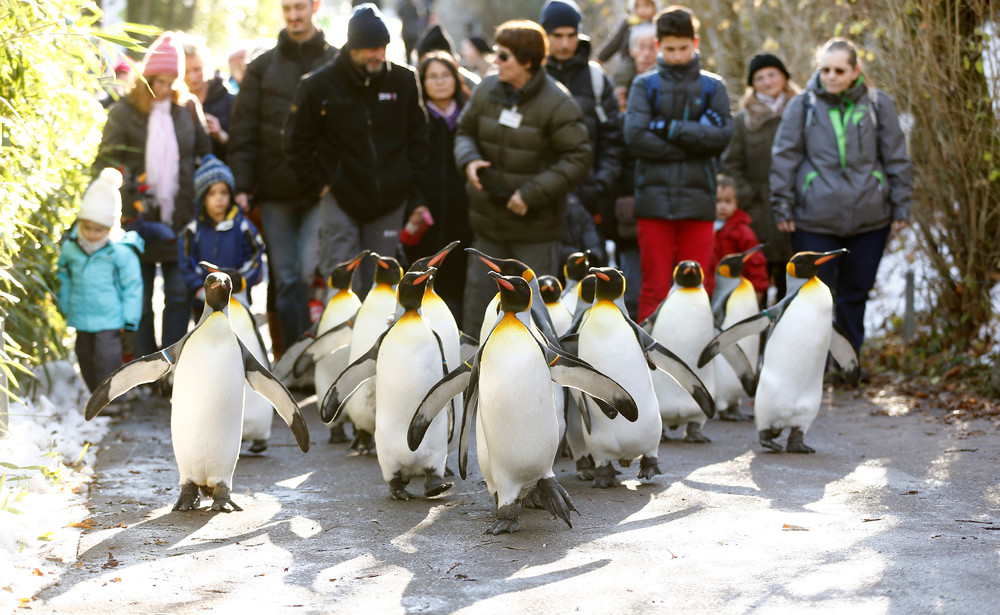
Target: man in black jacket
x,y
357,136
289,212
569,64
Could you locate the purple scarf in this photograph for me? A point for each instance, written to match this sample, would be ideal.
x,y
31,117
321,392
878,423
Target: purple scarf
x,y
449,115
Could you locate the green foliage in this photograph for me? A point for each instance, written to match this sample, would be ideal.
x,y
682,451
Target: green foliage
x,y
50,124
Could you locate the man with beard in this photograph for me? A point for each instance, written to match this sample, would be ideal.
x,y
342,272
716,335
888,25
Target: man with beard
x,y
357,136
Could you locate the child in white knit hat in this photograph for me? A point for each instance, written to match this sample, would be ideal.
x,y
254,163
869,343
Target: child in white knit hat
x,y
100,291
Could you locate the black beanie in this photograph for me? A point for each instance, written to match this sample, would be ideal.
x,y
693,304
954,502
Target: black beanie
x,y
434,39
367,28
480,44
764,60
559,14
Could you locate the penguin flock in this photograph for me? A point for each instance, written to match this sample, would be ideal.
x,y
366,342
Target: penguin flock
x,y
555,371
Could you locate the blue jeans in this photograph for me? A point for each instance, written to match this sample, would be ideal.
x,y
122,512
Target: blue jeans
x,y
176,309
850,276
293,253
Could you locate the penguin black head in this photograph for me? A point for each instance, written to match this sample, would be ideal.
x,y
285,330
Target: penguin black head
x,y
550,287
387,270
410,291
343,274
504,266
435,260
588,288
515,293
731,265
805,265
688,274
609,283
239,283
576,266
218,289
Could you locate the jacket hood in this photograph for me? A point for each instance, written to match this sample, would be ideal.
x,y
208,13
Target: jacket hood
x,y
117,235
217,88
508,95
739,217
435,38
344,64
312,47
580,58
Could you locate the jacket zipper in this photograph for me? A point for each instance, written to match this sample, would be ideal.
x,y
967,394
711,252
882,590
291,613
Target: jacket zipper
x,y
371,145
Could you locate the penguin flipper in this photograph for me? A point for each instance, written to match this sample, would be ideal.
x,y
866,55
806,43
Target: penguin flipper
x,y
570,343
468,416
348,382
738,360
283,368
569,371
256,332
753,325
845,356
456,381
322,346
467,344
149,368
669,363
267,384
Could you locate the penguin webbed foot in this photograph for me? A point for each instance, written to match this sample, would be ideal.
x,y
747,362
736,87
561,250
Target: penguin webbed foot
x,y
397,489
533,500
648,467
189,498
221,500
694,434
585,468
364,442
604,477
555,499
767,437
337,434
796,442
506,522
258,446
448,471
733,414
435,485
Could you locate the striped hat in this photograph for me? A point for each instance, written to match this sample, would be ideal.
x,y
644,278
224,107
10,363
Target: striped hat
x,y
211,171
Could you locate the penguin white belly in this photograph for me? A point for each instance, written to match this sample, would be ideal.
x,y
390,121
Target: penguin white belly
x,y
408,365
489,318
257,411
517,417
570,295
561,317
373,319
439,317
609,344
206,417
341,306
741,304
791,380
684,326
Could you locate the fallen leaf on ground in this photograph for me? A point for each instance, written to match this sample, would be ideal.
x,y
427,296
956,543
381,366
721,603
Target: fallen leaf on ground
x,y
87,524
794,528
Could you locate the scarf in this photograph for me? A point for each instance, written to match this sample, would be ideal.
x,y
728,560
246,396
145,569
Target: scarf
x,y
162,159
449,115
774,103
89,247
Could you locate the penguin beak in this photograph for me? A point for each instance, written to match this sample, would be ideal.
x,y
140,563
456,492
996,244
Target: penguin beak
x,y
500,281
382,264
357,260
209,266
749,253
828,256
600,274
443,252
430,272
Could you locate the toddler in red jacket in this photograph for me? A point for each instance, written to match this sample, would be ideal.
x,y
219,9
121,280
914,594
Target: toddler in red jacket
x,y
733,234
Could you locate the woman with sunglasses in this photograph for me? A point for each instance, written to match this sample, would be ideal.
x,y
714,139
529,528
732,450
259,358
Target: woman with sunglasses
x,y
523,146
841,177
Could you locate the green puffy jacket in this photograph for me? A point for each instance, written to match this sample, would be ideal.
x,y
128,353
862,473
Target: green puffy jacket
x,y
545,157
839,164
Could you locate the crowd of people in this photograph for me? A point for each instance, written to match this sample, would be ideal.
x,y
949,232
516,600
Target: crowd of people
x,y
523,149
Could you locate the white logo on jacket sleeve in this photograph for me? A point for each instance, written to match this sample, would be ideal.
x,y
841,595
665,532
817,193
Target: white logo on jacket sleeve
x,y
387,96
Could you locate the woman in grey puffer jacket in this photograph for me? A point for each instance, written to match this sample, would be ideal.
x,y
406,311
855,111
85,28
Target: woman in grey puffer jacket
x,y
841,178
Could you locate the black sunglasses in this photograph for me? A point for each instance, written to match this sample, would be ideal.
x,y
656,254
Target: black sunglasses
x,y
503,56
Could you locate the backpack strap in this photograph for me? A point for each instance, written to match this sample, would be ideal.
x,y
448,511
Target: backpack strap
x,y
597,85
810,108
707,90
652,83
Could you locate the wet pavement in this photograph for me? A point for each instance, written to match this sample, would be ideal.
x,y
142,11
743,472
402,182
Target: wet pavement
x,y
897,512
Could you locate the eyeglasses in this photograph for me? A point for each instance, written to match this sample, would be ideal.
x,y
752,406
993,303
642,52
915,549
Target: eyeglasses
x,y
503,56
827,70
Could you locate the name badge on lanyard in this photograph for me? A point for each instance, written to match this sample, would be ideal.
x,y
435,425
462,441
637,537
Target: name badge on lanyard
x,y
510,118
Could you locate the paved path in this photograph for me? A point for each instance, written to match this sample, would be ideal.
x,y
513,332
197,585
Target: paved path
x,y
896,513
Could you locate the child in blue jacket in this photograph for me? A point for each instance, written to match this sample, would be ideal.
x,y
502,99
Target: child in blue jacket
x,y
220,234
100,290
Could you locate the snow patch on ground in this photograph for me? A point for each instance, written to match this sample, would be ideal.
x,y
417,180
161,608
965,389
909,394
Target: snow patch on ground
x,y
887,300
46,467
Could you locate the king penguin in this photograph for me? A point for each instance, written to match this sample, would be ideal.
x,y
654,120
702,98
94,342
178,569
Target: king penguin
x,y
733,300
210,366
405,362
257,411
801,334
683,323
551,289
507,383
377,312
574,269
616,346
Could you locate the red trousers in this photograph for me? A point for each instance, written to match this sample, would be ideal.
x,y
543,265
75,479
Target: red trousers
x,y
662,245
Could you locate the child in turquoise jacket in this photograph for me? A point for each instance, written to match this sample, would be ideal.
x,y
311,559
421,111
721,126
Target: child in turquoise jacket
x,y
100,290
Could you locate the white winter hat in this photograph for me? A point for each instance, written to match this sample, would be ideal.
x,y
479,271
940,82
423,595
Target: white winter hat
x,y
102,203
